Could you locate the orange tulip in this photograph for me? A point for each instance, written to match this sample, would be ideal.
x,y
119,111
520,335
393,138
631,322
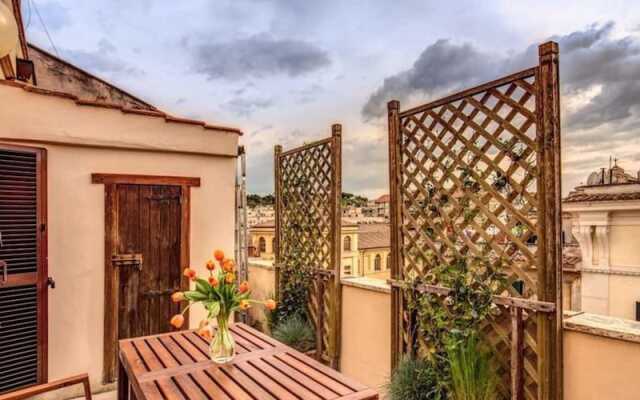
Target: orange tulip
x,y
244,287
177,297
270,304
189,273
218,255
177,321
213,281
205,333
228,265
244,304
229,278
211,265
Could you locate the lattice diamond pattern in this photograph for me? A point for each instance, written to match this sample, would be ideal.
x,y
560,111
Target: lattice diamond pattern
x,y
306,181
469,175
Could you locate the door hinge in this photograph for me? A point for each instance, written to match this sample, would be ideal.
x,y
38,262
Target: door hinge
x,y
43,227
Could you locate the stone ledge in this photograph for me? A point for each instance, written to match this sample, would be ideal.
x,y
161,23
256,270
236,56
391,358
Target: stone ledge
x,y
362,282
600,325
263,264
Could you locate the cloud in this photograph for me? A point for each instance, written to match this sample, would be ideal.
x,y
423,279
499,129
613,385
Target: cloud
x,y
103,60
258,56
440,66
244,107
588,58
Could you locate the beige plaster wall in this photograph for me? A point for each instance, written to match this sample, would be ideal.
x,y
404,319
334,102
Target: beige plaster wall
x,y
624,291
76,206
76,241
624,242
366,335
51,119
598,368
262,280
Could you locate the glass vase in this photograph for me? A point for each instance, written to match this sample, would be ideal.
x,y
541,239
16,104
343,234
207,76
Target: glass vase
x,y
222,348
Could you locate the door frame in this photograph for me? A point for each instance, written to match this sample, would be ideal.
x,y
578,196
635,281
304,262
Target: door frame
x,y
42,273
111,276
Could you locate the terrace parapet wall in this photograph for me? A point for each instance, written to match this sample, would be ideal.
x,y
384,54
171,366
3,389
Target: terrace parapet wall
x,y
601,357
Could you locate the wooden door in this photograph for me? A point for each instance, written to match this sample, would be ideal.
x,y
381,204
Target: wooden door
x,y
147,222
23,267
148,257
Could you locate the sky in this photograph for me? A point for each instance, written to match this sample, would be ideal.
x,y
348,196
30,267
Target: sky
x,y
283,71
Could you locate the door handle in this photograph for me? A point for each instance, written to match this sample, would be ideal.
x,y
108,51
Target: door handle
x,y
51,283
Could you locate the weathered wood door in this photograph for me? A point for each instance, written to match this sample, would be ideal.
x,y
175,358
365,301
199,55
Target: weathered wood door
x,y
147,258
23,267
147,220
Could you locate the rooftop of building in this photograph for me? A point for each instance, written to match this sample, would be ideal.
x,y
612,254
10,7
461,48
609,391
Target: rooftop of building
x,y
373,236
385,198
612,184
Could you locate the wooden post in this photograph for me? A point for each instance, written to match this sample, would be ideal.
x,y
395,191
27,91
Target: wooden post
x,y
336,288
517,354
320,316
277,206
550,368
393,108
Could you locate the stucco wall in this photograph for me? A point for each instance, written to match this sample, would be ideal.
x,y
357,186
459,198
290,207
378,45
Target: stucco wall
x,y
76,241
262,280
596,367
76,206
624,242
366,335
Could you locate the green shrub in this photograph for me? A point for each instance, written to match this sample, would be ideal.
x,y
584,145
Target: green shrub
x,y
415,380
472,375
295,332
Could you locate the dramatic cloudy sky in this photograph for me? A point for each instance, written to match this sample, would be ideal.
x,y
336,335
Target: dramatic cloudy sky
x,y
285,70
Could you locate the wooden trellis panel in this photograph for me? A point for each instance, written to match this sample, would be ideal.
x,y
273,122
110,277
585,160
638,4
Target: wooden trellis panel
x,y
486,161
308,188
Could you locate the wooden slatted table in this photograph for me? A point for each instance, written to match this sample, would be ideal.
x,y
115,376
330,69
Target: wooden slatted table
x,y
176,366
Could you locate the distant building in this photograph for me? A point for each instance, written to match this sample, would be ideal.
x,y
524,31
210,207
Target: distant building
x,y
365,247
259,215
382,205
602,219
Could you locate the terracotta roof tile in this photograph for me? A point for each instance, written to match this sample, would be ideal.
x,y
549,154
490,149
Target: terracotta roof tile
x,y
372,236
385,198
157,114
580,196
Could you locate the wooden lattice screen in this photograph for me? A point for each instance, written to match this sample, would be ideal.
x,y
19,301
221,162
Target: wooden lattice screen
x,y
308,187
496,149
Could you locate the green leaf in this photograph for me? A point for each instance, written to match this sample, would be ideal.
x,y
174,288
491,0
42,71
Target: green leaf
x,y
214,309
194,295
203,286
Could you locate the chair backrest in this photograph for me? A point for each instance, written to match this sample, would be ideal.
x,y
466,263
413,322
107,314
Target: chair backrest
x,y
48,387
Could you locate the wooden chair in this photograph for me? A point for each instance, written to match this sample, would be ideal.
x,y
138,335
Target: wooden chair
x,y
48,387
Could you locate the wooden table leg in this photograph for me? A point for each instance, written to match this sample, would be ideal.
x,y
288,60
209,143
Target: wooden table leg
x,y
123,382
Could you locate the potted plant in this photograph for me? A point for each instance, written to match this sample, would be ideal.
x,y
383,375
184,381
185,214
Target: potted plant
x,y
473,377
220,296
416,379
296,332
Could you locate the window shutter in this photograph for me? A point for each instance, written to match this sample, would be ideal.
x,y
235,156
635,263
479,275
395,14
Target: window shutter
x,y
21,280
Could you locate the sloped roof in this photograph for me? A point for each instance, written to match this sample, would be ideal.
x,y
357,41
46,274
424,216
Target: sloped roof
x,y
45,56
126,110
577,196
385,198
373,236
